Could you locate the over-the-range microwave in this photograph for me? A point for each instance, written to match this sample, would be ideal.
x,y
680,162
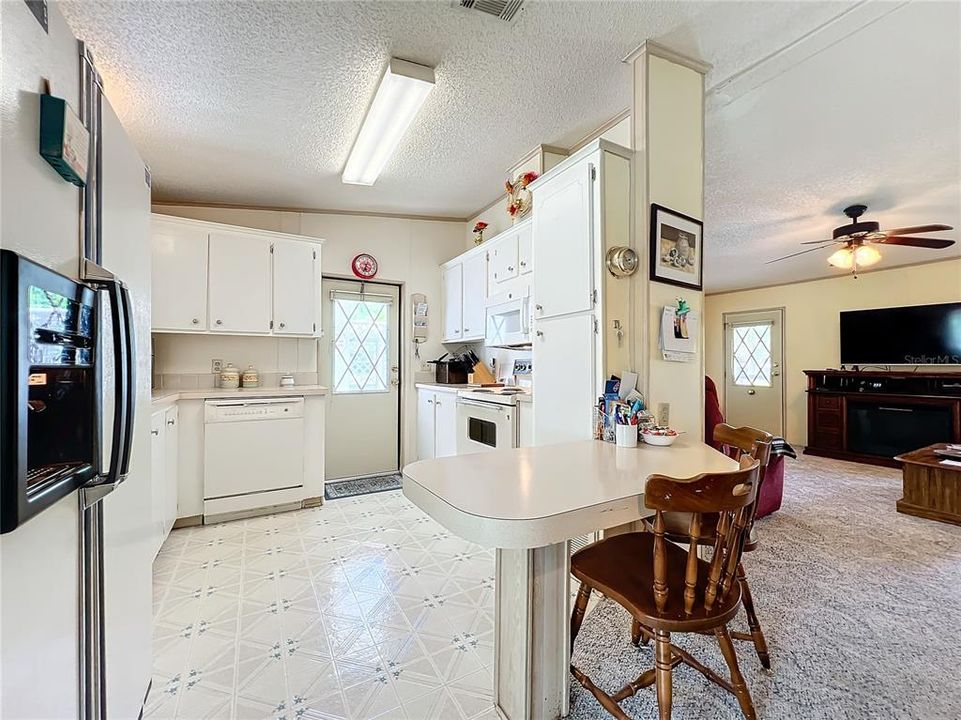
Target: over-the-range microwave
x,y
509,323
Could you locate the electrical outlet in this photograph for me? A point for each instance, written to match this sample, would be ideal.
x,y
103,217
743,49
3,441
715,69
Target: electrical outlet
x,y
216,365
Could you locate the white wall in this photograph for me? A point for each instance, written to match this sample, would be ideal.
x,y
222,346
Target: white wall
x,y
408,251
811,320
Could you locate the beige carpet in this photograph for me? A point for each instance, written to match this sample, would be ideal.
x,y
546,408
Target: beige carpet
x,y
861,607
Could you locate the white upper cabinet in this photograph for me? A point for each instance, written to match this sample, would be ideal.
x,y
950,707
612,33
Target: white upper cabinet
x,y
296,300
524,264
475,296
239,283
178,277
209,277
563,242
502,261
453,280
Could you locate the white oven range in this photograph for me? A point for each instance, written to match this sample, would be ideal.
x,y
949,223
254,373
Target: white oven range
x,y
487,419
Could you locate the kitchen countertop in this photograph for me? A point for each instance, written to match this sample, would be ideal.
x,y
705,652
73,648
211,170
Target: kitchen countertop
x,y
525,397
163,397
530,497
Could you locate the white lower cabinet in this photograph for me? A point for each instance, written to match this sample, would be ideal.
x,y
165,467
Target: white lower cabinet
x,y
436,423
163,473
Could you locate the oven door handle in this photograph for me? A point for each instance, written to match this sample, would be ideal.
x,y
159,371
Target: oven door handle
x,y
482,405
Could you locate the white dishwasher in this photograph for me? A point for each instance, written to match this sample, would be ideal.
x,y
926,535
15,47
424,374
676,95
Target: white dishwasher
x,y
253,457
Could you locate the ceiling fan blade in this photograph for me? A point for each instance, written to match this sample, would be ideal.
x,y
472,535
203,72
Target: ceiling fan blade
x,y
917,229
792,255
933,243
822,242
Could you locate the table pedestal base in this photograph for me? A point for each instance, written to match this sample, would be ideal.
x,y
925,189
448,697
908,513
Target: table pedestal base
x,y
532,633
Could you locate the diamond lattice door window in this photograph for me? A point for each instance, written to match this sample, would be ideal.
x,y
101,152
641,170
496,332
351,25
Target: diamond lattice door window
x,y
751,355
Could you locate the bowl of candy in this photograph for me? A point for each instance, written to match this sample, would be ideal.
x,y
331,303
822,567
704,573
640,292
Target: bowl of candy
x,y
661,436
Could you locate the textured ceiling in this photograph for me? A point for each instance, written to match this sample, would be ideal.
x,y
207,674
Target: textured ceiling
x,y
810,104
867,111
259,103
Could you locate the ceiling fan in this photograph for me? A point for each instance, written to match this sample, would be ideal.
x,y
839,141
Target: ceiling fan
x,y
859,241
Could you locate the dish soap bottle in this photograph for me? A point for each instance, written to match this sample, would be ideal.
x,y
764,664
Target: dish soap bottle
x,y
251,377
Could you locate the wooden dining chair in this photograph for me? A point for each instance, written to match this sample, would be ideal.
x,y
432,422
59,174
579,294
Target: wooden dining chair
x,y
742,441
668,588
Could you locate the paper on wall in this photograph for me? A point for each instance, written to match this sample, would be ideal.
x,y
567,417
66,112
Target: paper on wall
x,y
678,337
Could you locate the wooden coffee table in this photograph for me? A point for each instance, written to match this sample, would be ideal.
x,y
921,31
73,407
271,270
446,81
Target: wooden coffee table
x,y
932,488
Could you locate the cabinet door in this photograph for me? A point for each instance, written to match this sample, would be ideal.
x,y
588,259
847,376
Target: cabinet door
x,y
453,302
239,283
475,296
178,277
445,424
502,262
524,264
425,425
158,479
295,288
171,432
563,243
564,384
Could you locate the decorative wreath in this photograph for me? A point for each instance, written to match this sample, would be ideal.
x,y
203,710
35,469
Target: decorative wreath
x,y
518,196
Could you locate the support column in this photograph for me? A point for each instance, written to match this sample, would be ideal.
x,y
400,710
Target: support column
x,y
668,132
532,633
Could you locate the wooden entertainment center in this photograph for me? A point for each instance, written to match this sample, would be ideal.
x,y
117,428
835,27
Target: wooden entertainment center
x,y
870,417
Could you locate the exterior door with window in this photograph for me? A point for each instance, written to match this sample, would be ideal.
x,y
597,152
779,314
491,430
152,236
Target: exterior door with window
x,y
753,384
359,362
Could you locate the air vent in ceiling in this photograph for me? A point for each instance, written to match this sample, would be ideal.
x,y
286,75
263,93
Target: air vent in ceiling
x,y
504,9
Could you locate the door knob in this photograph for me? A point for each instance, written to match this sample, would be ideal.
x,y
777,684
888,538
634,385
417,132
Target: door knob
x,y
752,392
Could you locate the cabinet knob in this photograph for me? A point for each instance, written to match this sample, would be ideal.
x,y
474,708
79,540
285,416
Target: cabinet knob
x,y
539,334
195,321
538,307
283,325
171,422
466,329
220,322
523,263
510,268
154,432
430,402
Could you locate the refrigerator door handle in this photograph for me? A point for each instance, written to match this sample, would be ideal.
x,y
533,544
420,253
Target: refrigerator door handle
x,y
130,390
122,432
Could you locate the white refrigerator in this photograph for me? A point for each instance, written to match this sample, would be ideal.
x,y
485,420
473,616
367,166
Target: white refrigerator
x,y
41,627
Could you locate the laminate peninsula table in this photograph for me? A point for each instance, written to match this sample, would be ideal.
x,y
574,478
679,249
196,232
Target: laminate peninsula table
x,y
528,504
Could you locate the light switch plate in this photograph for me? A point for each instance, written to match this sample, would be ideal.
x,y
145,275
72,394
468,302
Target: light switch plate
x,y
216,365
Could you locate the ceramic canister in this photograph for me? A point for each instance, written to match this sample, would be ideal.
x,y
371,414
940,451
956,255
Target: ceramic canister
x,y
229,377
251,378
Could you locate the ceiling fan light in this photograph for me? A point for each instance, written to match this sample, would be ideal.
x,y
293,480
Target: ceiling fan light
x,y
842,258
867,255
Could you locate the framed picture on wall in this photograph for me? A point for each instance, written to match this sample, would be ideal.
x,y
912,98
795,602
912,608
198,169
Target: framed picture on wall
x,y
677,251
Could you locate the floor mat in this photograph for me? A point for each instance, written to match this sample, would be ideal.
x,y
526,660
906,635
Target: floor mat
x,y
362,486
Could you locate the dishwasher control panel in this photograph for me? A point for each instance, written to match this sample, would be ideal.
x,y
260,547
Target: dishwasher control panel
x,y
221,411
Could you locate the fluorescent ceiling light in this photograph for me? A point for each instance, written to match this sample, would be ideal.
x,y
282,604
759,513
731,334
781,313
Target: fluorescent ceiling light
x,y
399,97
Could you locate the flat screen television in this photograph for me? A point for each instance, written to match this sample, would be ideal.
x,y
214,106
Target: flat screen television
x,y
912,335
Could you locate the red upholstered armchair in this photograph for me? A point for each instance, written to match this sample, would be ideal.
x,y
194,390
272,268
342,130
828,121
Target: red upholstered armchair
x,y
769,498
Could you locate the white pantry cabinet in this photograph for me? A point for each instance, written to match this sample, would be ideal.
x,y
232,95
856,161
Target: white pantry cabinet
x,y
239,283
436,423
178,276
296,287
453,283
214,278
582,315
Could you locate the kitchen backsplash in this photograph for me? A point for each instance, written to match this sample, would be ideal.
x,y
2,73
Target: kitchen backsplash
x,y
184,361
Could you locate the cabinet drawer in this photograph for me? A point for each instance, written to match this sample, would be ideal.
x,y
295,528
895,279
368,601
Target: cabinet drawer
x,y
829,402
828,420
827,439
